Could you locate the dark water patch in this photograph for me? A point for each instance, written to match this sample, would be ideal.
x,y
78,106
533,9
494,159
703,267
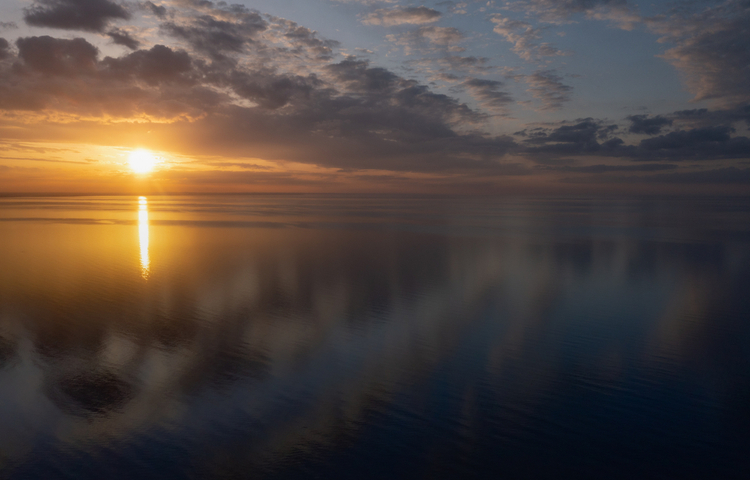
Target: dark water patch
x,y
8,352
91,392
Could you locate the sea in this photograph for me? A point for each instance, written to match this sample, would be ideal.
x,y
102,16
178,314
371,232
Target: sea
x,y
374,337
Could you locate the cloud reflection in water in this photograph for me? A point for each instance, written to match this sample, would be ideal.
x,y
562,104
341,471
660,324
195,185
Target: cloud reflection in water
x,y
469,337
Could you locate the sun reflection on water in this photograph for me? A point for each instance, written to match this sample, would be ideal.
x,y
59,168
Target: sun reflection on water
x,y
143,236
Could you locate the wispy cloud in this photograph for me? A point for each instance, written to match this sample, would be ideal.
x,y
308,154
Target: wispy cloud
x,y
489,94
401,16
524,37
548,87
429,38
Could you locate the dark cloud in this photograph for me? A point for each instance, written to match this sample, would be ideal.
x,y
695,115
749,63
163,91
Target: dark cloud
x,y
8,25
268,89
690,138
693,113
359,77
123,37
351,133
215,36
401,16
4,49
229,30
580,138
382,101
88,15
703,117
158,65
158,10
591,137
55,56
698,143
67,77
647,125
364,117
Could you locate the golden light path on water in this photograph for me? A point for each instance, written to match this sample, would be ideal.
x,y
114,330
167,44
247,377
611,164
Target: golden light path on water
x,y
143,236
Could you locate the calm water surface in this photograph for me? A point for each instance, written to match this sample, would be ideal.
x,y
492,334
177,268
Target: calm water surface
x,y
381,337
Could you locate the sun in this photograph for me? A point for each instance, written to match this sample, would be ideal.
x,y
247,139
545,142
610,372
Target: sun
x,y
142,161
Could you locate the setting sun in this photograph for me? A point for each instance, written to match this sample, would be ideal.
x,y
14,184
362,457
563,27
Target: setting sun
x,y
142,161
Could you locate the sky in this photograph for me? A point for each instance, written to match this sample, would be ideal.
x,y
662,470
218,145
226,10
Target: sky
x,y
375,96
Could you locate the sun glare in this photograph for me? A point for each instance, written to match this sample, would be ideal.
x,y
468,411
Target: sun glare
x,y
142,161
143,236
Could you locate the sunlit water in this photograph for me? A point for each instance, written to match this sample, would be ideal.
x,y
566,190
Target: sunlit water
x,y
381,337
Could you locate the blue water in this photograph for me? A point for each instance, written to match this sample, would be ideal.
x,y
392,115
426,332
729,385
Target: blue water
x,y
303,336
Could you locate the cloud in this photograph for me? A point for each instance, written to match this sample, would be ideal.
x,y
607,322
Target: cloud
x,y
524,38
429,37
359,77
703,117
708,41
237,32
352,115
237,83
589,137
303,39
698,143
711,51
267,89
402,16
464,64
450,68
456,8
87,15
4,49
646,125
155,66
440,35
216,36
64,77
123,37
158,10
561,11
55,56
488,93
547,87
579,138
